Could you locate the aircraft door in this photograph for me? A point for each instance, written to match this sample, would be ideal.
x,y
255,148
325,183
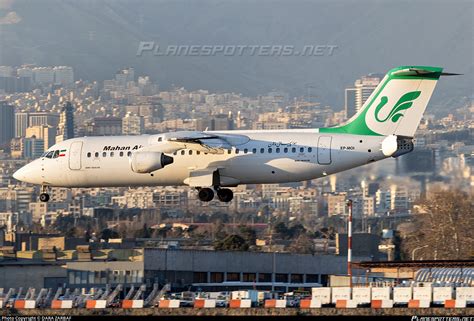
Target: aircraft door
x,y
75,155
324,150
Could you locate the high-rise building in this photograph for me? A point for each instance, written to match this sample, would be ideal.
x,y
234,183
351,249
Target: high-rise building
x,y
133,125
6,71
336,204
43,75
15,84
104,126
223,122
122,77
17,147
350,102
218,122
44,118
383,200
22,122
66,123
33,147
7,123
356,96
63,75
25,71
152,112
46,133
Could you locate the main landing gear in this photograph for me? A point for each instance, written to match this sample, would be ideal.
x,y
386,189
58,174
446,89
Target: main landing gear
x,y
223,194
44,196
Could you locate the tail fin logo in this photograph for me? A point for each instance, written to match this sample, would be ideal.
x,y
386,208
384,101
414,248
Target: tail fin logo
x,y
405,102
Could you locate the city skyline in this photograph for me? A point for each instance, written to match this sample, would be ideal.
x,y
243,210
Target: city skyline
x,y
215,157
360,49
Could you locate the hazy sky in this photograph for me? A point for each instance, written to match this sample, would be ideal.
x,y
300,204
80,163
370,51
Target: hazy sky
x,y
99,37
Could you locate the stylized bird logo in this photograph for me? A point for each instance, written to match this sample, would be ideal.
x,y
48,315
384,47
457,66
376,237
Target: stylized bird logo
x,y
405,102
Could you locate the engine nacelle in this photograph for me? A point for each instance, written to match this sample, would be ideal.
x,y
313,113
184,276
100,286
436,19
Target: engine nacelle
x,y
147,162
396,146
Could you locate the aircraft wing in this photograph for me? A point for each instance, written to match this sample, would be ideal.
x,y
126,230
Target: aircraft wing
x,y
207,142
204,142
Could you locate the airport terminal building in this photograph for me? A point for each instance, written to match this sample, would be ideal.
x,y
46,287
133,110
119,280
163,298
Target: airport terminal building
x,y
182,269
227,270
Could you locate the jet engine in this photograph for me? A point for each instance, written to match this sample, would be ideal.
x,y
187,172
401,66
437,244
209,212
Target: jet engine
x,y
395,146
147,162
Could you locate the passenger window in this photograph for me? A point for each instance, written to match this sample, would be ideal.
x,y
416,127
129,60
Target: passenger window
x,y
175,152
160,139
229,151
129,154
104,154
262,150
285,150
182,152
301,149
246,150
198,152
49,154
89,154
254,150
121,154
96,154
190,152
269,150
111,154
237,151
310,149
293,150
277,150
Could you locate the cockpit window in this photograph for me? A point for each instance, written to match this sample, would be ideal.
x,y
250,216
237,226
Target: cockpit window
x,y
49,154
56,154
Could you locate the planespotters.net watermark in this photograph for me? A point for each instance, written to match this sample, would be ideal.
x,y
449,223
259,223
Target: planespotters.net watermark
x,y
154,49
448,318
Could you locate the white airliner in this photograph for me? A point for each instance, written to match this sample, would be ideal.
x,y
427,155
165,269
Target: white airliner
x,y
215,160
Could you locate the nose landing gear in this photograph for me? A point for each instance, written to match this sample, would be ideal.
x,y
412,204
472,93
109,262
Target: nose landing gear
x,y
44,196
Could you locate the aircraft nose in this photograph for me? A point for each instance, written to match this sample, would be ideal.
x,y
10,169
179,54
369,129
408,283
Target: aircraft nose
x,y
19,174
29,174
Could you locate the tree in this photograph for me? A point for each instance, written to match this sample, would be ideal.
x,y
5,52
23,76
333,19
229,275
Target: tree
x,y
442,230
232,243
109,234
145,232
303,245
296,230
281,230
71,232
248,234
88,234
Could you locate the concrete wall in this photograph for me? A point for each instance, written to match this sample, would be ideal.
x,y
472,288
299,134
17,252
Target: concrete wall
x,y
29,275
251,262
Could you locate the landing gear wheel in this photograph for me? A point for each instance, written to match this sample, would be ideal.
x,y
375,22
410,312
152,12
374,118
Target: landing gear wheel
x,y
44,197
225,195
206,194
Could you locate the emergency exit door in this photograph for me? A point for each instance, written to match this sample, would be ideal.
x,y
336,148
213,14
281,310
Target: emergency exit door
x,y
75,155
324,150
